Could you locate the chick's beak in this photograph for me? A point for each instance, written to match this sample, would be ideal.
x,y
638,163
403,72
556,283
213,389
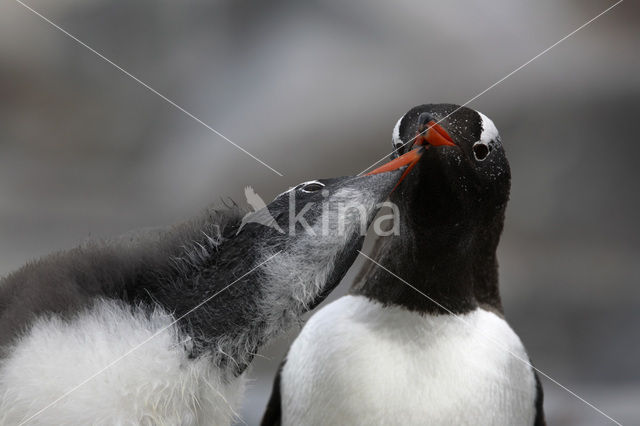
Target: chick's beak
x,y
407,159
410,159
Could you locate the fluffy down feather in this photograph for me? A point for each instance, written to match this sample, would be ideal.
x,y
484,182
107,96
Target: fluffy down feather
x,y
154,385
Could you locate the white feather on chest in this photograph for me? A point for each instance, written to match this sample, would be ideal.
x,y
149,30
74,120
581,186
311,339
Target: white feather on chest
x,y
356,362
157,384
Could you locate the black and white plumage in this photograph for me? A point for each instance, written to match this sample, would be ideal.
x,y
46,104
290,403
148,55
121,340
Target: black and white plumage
x,y
387,354
67,316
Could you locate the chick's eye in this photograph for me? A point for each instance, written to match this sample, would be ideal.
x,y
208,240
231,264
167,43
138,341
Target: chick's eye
x,y
312,187
481,151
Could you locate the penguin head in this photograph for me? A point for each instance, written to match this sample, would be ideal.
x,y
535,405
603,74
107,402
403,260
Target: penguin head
x,y
462,179
318,227
309,204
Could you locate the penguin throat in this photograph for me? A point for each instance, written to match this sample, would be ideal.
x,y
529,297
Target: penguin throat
x,y
430,279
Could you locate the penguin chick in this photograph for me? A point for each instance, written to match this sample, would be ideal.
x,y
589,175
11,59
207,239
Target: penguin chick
x,y
158,327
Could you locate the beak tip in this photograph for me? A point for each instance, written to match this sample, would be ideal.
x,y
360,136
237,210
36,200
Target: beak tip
x,y
436,135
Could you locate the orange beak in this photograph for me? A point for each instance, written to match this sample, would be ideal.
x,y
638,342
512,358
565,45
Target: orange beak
x,y
435,135
405,159
410,158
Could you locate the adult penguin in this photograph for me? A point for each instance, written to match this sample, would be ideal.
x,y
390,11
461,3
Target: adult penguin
x,y
158,327
421,339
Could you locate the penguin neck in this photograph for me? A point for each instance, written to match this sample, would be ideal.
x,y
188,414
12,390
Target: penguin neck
x,y
444,271
206,275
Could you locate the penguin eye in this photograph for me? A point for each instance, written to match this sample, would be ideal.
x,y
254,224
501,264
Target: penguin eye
x,y
481,151
311,187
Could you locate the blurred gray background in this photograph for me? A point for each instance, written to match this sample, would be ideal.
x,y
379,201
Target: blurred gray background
x,y
314,90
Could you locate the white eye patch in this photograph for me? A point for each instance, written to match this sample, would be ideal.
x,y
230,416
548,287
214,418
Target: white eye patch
x,y
483,147
489,130
395,135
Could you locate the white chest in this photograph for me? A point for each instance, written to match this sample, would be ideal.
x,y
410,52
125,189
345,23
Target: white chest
x,y
356,362
155,384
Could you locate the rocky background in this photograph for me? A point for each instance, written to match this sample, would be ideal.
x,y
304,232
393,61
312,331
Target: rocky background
x,y
314,89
